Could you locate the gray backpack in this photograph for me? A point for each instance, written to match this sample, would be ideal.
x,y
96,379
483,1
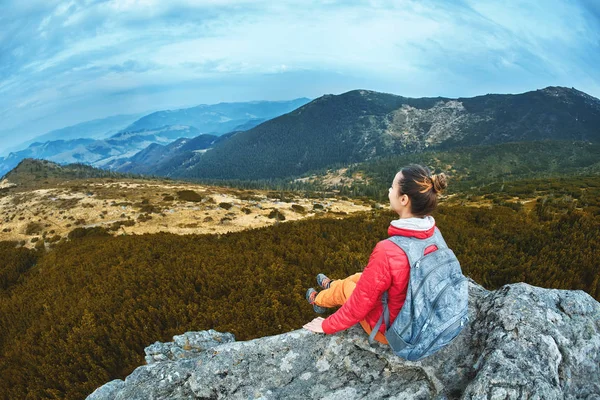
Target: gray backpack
x,y
436,305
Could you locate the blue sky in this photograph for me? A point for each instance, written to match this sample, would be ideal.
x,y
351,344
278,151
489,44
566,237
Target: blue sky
x,y
65,62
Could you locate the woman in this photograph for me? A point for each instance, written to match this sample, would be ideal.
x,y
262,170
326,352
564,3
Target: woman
x,y
413,196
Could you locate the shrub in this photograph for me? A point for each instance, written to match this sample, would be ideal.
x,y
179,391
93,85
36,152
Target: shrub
x,y
116,225
189,195
33,228
144,217
278,215
225,206
83,232
54,239
248,197
298,208
149,208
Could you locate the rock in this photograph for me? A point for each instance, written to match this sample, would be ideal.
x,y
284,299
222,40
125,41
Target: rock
x,y
5,184
523,342
184,346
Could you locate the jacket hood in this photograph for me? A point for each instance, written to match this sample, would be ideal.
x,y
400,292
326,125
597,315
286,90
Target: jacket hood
x,y
420,228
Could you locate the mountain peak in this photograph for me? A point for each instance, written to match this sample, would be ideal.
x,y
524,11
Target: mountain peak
x,y
561,91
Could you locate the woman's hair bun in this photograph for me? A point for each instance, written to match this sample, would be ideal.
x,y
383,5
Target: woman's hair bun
x,y
439,182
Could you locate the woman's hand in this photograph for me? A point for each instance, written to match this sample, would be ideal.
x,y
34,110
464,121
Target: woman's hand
x,y
316,325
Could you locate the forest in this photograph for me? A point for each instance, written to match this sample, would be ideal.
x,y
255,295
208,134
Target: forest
x,y
81,314
471,168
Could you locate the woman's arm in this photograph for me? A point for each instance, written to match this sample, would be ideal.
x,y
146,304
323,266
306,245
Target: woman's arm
x,y
375,280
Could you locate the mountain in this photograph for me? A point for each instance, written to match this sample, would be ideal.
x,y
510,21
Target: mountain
x,y
219,118
95,129
161,127
522,342
97,152
46,150
155,156
362,125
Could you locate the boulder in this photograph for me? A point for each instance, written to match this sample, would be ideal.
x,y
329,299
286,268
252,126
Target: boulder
x,y
522,342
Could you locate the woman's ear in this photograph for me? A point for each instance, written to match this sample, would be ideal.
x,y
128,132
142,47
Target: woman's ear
x,y
404,200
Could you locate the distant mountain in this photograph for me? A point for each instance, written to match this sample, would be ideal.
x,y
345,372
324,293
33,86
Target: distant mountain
x,y
45,150
161,128
219,118
154,157
96,129
98,152
361,125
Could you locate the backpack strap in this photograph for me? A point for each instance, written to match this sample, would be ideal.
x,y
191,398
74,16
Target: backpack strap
x,y
414,248
384,315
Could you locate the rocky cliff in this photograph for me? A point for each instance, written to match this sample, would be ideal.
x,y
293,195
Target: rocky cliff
x,y
523,342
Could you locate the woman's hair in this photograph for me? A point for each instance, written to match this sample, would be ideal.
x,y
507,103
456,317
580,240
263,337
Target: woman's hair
x,y
422,188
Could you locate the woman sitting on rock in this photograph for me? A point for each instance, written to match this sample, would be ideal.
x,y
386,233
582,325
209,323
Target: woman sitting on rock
x,y
413,195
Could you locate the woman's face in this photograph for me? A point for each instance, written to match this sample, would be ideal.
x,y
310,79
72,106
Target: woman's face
x,y
394,193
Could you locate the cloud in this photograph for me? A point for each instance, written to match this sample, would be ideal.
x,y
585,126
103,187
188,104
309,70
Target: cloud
x,y
74,55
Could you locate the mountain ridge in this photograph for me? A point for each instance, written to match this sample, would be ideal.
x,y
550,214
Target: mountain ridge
x,y
360,125
157,127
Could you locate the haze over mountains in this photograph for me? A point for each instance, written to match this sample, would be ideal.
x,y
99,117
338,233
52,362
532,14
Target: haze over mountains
x,y
95,129
96,142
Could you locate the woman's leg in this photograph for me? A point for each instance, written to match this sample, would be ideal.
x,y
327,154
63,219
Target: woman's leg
x,y
338,292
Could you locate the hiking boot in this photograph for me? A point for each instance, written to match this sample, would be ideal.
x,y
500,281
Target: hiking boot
x,y
323,281
311,295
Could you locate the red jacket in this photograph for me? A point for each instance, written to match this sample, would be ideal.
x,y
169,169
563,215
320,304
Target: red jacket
x,y
388,269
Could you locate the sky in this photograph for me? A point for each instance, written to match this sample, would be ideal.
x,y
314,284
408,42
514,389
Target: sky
x,y
66,62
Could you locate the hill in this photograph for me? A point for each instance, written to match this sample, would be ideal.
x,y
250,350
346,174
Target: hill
x,y
362,125
33,173
472,170
43,204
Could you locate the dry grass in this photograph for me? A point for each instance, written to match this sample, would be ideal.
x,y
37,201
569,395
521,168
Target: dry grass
x,y
138,207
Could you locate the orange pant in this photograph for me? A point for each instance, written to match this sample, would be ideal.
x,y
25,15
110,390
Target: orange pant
x,y
339,291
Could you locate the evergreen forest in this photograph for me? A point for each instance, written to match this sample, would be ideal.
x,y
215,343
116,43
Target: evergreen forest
x,y
81,314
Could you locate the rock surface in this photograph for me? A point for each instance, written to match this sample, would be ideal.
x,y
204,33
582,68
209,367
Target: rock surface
x,y
523,342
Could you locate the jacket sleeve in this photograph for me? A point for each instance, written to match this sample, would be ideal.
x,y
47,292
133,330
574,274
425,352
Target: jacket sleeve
x,y
374,280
